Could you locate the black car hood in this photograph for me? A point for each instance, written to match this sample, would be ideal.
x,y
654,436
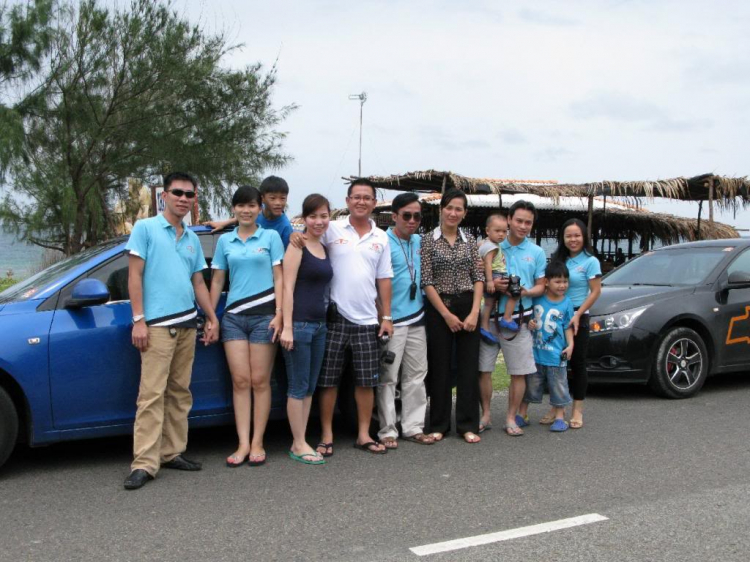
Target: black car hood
x,y
623,297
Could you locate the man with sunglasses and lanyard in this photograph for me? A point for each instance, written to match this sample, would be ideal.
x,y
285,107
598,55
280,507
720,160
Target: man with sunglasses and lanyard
x,y
409,342
164,280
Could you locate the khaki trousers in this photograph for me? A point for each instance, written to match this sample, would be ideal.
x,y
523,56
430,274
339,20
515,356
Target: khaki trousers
x,y
164,398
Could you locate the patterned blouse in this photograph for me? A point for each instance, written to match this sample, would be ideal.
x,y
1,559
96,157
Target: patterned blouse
x,y
451,270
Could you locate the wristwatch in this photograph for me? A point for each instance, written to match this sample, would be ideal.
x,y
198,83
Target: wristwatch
x,y
387,318
138,318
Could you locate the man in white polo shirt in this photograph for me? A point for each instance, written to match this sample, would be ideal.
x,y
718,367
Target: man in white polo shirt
x,y
362,272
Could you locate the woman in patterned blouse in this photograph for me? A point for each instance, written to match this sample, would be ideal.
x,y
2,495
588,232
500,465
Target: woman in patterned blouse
x,y
453,281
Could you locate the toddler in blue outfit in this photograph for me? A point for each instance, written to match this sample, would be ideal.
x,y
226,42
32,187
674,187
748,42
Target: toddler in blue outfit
x,y
553,344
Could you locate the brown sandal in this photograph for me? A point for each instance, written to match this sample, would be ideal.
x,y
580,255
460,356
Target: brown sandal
x,y
389,442
421,438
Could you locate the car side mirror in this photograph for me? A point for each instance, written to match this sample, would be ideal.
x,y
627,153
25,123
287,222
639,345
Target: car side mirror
x,y
738,280
88,292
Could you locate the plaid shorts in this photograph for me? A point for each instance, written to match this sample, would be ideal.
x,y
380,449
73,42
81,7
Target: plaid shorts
x,y
363,341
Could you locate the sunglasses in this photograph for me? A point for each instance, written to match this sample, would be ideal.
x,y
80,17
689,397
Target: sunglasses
x,y
181,192
408,216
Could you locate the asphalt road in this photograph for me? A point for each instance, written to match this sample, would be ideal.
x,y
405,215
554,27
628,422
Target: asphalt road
x,y
669,476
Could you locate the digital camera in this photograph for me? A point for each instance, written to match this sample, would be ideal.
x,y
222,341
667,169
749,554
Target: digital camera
x,y
514,286
386,357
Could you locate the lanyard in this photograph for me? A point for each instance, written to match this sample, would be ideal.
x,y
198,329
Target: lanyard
x,y
410,266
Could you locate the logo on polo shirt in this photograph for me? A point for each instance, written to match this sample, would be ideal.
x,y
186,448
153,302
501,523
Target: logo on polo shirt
x,y
375,247
341,241
262,250
580,269
528,259
190,249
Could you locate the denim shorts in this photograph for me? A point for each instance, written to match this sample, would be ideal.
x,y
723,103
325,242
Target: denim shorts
x,y
555,379
495,275
304,361
246,327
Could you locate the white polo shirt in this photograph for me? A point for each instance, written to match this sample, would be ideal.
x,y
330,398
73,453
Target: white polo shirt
x,y
357,263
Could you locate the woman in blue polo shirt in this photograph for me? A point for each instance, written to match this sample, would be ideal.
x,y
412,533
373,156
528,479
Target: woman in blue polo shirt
x,y
574,249
252,318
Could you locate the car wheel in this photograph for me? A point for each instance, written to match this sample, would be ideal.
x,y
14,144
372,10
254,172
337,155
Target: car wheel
x,y
8,426
681,364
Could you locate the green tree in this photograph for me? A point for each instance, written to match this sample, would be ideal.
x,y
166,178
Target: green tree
x,y
133,93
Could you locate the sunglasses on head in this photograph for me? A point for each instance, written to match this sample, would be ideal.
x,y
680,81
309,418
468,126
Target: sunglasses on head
x,y
408,216
181,192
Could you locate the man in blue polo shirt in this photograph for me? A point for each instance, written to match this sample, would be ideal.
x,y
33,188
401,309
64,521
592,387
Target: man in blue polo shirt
x,y
409,341
526,260
165,280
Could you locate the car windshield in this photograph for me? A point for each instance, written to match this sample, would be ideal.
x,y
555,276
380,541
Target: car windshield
x,y
27,288
678,267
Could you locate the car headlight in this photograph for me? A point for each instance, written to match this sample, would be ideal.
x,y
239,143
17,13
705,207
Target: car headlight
x,y
622,320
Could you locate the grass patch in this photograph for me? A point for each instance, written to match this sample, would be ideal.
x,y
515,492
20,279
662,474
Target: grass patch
x,y
6,282
500,377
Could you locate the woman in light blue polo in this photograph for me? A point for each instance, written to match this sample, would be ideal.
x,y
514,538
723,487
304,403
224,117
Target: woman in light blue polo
x,y
252,318
574,249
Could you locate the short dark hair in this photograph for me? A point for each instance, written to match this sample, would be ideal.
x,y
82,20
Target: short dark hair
x,y
523,205
178,176
312,203
402,200
494,216
274,184
450,195
556,268
245,194
362,181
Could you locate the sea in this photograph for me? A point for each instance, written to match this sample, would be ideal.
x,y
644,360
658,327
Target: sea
x,y
18,259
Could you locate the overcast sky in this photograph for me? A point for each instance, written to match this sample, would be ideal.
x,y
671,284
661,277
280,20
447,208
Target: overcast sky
x,y
573,91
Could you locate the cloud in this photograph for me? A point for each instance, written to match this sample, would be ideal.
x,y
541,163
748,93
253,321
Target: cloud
x,y
512,136
450,141
544,18
553,154
627,109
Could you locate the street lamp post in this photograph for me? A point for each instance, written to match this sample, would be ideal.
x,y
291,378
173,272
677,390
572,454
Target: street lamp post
x,y
362,98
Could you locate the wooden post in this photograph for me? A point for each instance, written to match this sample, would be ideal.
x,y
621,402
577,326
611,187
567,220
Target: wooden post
x,y
445,181
604,219
711,201
700,210
591,214
630,246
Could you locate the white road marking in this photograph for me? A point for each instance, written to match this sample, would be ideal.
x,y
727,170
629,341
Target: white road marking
x,y
507,535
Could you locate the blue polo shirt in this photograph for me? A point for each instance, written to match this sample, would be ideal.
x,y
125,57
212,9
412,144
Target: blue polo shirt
x,y
250,266
168,295
407,267
280,225
552,319
582,269
527,260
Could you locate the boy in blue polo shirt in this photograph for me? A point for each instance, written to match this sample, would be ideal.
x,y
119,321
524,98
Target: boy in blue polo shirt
x,y
553,344
164,281
274,192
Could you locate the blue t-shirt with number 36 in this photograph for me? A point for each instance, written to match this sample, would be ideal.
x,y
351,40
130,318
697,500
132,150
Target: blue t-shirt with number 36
x,y
552,319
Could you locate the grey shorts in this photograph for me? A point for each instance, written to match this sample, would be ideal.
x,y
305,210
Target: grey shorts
x,y
488,353
518,353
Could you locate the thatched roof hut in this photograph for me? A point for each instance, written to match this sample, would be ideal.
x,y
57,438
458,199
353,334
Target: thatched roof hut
x,y
727,192
614,220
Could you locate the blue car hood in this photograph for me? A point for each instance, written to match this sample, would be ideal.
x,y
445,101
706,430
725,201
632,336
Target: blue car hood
x,y
622,297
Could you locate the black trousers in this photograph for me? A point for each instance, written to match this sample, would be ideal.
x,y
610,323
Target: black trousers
x,y
578,376
440,345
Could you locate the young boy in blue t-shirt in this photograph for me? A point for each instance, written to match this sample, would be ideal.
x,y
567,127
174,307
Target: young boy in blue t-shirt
x,y
553,343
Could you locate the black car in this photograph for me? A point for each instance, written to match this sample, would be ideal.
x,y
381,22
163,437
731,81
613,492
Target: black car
x,y
674,316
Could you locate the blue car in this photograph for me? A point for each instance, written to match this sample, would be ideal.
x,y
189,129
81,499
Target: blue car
x,y
68,369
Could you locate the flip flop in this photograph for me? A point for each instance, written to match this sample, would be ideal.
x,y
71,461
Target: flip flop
x,y
576,424
436,436
367,447
325,446
484,427
559,426
420,438
301,458
389,442
256,460
522,421
488,336
548,419
470,437
513,430
233,461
